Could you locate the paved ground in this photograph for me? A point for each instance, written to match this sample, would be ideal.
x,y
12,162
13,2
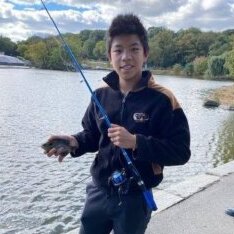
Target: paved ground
x,y
195,206
201,213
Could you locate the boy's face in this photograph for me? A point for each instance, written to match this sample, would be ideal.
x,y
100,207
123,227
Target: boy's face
x,y
127,56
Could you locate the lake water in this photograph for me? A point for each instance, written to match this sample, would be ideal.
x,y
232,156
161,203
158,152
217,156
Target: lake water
x,y
40,195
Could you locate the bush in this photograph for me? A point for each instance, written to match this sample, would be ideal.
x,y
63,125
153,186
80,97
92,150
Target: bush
x,y
216,66
177,69
200,65
188,69
229,62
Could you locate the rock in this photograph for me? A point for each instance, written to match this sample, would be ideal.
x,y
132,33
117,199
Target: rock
x,y
211,103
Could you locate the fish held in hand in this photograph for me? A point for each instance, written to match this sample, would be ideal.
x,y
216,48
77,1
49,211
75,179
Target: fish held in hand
x,y
57,144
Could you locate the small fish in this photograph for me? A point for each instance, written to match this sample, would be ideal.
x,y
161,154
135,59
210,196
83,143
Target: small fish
x,y
57,144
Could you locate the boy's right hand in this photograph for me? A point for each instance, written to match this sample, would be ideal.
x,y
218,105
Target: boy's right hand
x,y
60,145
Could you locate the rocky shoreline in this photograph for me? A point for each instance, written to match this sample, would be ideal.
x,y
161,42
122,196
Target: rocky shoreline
x,y
223,97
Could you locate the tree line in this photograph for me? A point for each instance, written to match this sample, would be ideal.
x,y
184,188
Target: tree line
x,y
190,52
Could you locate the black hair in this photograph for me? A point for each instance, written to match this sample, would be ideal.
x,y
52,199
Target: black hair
x,y
126,25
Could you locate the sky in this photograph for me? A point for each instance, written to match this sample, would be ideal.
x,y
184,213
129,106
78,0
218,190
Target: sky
x,y
21,19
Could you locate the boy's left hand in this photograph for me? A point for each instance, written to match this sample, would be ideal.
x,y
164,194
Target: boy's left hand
x,y
121,137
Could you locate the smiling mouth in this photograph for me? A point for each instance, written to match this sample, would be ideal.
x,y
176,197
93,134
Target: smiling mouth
x,y
126,67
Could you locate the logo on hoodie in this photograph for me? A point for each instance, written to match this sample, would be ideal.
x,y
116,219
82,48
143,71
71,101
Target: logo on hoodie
x,y
140,117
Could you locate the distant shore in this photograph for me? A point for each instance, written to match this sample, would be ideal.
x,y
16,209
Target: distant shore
x,y
223,97
13,67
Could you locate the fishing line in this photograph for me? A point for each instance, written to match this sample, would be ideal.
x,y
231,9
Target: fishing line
x,y
147,193
50,39
81,181
61,56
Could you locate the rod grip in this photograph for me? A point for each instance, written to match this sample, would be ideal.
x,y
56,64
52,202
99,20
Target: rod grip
x,y
150,200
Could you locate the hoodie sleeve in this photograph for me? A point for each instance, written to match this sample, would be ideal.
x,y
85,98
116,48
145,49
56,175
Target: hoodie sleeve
x,y
173,145
88,139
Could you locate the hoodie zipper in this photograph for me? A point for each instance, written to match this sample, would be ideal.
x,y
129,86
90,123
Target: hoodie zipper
x,y
113,159
123,107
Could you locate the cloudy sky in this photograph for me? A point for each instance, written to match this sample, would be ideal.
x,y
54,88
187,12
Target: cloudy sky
x,y
20,19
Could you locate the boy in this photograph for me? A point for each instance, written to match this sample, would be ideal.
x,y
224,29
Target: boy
x,y
147,121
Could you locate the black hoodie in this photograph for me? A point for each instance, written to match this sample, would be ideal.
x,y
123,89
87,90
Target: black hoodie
x,y
152,113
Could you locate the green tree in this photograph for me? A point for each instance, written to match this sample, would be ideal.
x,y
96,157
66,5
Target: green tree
x,y
216,66
88,47
189,69
100,50
75,44
200,65
229,58
33,40
229,63
37,53
7,46
21,49
162,49
203,43
56,61
229,32
89,39
220,45
97,35
84,35
23,46
154,54
177,69
186,43
153,31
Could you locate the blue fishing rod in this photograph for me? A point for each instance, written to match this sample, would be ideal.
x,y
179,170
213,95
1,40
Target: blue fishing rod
x,y
117,176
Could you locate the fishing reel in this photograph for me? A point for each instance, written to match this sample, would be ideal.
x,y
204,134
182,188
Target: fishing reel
x,y
118,177
120,180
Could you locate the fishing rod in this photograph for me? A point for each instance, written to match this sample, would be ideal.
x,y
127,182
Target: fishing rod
x,y
147,193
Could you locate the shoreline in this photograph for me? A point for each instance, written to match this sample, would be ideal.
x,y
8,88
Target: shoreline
x,y
14,67
200,206
176,193
222,97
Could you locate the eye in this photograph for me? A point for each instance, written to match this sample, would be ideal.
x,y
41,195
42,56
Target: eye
x,y
117,51
135,49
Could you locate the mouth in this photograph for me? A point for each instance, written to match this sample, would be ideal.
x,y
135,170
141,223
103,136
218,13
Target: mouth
x,y
126,67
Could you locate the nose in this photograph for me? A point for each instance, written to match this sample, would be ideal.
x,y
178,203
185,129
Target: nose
x,y
126,55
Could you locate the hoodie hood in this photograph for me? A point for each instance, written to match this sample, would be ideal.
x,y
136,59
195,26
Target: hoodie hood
x,y
112,80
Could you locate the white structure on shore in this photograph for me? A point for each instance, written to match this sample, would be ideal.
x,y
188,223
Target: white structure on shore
x,y
12,61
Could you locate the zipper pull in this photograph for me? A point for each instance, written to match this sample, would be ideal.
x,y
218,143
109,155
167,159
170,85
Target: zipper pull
x,y
125,97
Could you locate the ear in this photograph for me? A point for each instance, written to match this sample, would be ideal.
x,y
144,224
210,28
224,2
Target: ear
x,y
146,54
109,58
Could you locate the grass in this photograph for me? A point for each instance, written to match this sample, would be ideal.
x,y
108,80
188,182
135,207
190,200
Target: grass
x,y
224,95
93,64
